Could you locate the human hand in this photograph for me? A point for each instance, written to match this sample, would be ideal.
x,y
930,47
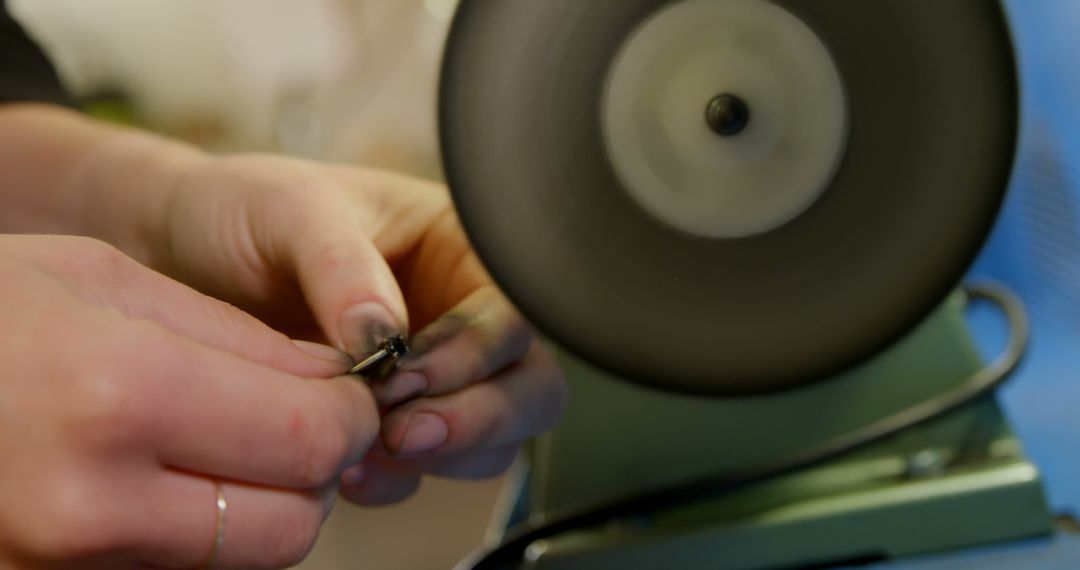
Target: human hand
x,y
125,395
354,256
321,252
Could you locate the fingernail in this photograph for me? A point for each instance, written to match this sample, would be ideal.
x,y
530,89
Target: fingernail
x,y
364,326
323,352
353,475
424,432
401,387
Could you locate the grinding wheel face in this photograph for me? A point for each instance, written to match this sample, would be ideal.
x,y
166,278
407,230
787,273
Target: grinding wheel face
x,y
652,226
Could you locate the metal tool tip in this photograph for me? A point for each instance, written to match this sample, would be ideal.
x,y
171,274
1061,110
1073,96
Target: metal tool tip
x,y
395,346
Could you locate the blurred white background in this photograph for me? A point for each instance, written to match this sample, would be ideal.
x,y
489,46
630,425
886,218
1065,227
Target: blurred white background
x,y
344,80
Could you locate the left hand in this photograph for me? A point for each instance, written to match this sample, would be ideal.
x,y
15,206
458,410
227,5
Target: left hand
x,y
352,256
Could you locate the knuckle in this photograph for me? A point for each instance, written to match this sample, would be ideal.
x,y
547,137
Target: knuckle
x,y
112,400
107,411
104,404
74,528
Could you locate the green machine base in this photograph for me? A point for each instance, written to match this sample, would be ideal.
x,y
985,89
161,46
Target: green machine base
x,y
957,481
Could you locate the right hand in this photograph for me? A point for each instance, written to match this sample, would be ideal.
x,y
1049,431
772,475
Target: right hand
x,y
125,396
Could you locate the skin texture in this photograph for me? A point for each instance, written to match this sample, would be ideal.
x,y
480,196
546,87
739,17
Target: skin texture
x,y
172,347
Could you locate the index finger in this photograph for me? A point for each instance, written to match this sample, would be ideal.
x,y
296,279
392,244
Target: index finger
x,y
220,415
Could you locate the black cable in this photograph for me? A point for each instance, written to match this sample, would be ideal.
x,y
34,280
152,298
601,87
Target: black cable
x,y
511,551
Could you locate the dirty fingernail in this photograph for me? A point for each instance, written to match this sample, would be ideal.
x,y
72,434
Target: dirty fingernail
x,y
364,326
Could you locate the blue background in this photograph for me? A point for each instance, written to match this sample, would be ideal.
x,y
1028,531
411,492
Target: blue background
x,y
1035,249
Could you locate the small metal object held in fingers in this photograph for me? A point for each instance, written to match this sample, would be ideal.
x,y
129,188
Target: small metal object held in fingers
x,y
381,363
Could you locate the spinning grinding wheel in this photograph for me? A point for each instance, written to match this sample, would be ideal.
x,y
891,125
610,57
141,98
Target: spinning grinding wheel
x,y
728,196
